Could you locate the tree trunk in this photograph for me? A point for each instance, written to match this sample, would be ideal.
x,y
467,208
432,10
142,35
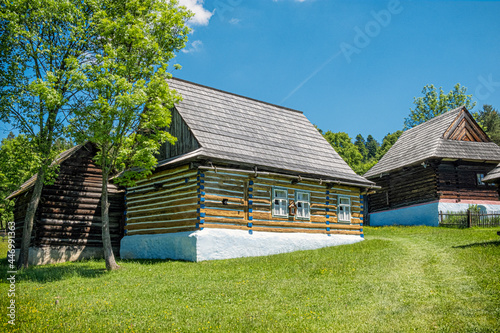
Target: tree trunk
x,y
28,220
106,238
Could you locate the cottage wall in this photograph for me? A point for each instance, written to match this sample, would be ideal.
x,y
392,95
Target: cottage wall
x,y
249,205
165,202
184,199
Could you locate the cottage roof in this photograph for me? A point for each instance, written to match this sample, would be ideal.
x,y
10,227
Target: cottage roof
x,y
452,135
493,175
58,160
245,131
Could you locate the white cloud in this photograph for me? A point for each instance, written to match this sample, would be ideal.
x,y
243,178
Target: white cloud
x,y
195,46
201,15
234,20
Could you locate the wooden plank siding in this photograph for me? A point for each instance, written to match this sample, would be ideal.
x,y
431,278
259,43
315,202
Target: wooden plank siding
x,y
186,141
184,199
407,186
69,212
438,180
458,180
236,200
165,202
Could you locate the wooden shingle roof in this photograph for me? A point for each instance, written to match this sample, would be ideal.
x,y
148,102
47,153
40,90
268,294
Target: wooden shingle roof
x,y
493,175
245,131
452,135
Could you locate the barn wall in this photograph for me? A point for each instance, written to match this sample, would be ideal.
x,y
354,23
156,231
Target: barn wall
x,y
404,187
67,223
249,204
458,180
69,213
165,202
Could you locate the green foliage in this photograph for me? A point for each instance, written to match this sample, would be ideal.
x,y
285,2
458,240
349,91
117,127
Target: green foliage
x,y
343,145
399,279
18,162
349,151
41,46
372,147
434,103
360,143
128,96
489,119
388,141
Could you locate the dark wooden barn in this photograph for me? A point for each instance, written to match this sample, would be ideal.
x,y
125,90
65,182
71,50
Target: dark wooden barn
x,y
67,224
246,178
437,166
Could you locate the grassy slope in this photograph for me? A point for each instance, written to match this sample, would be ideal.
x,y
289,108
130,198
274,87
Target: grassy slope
x,y
399,279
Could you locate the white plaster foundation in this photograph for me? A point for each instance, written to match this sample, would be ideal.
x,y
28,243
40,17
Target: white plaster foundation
x,y
59,254
428,213
213,244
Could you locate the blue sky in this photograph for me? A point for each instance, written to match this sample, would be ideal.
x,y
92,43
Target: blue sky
x,y
351,66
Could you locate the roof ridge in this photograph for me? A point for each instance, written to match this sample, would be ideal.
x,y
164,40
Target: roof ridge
x,y
432,120
237,95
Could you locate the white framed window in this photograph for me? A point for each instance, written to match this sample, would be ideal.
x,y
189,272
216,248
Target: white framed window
x,y
280,202
344,209
303,203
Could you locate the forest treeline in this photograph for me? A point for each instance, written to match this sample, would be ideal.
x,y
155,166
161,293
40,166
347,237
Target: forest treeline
x,y
361,154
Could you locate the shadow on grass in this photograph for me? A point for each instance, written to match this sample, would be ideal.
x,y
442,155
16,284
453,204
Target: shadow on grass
x,y
50,273
482,244
57,272
148,261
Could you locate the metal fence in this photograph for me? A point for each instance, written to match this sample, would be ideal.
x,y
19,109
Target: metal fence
x,y
469,219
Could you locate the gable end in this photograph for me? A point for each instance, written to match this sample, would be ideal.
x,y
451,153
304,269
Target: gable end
x,y
465,128
186,141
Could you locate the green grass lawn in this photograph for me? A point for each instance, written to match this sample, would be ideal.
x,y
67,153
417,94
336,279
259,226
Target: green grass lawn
x,y
397,280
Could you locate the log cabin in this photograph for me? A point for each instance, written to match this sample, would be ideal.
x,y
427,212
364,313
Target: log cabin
x,y
437,166
246,178
67,224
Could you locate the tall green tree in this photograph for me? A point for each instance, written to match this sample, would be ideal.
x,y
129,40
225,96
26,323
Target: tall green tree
x,y
361,144
42,45
18,162
128,96
435,102
372,147
489,119
343,145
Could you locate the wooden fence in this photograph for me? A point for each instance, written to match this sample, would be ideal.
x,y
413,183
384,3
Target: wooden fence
x,y
469,219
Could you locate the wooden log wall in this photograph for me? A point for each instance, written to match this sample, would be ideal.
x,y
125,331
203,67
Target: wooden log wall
x,y
186,141
236,200
458,180
165,202
404,187
69,212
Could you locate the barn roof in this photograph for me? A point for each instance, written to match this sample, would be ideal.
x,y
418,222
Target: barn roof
x,y
249,132
58,160
454,135
493,175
